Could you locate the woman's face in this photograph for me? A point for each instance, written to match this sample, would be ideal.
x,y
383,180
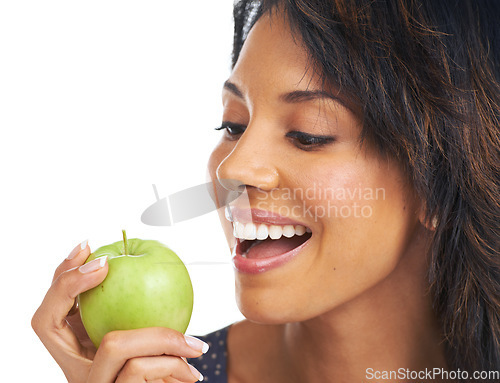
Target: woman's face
x,y
297,151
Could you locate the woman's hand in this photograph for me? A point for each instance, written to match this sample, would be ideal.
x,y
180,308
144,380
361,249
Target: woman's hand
x,y
146,355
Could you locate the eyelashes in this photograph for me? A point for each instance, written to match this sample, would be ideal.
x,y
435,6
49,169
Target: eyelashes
x,y
232,129
309,140
301,140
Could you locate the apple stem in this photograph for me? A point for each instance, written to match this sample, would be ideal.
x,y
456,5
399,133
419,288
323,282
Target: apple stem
x,y
125,244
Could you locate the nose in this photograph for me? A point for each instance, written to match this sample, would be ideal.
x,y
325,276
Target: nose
x,y
251,163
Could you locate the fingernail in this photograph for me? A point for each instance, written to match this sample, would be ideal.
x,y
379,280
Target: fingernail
x,y
76,250
196,373
196,344
94,265
83,245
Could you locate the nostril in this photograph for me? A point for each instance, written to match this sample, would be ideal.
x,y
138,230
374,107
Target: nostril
x,y
242,188
232,184
227,191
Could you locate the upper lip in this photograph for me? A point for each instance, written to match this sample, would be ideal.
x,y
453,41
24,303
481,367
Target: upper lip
x,y
261,216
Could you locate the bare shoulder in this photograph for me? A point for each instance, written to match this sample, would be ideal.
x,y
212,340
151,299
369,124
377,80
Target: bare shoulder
x,y
250,351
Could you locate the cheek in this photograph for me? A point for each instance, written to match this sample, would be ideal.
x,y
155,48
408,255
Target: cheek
x,y
364,218
345,189
355,188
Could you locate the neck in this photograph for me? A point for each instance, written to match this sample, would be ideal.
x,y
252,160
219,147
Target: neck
x,y
388,328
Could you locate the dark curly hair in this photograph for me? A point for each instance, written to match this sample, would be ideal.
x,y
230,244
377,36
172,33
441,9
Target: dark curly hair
x,y
425,75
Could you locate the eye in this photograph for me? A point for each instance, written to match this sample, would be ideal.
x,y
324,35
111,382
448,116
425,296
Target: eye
x,y
232,129
306,141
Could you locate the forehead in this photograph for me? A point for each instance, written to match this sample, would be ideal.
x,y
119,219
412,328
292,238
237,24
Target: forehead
x,y
273,56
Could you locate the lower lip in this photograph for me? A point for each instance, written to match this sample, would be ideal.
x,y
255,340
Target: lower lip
x,y
261,265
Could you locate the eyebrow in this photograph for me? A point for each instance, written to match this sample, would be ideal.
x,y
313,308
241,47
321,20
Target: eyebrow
x,y
228,85
293,97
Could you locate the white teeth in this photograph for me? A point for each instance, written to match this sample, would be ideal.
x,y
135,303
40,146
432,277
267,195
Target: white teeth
x,y
250,231
288,231
275,232
262,232
300,230
239,228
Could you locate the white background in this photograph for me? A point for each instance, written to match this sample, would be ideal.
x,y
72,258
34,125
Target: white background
x,y
98,101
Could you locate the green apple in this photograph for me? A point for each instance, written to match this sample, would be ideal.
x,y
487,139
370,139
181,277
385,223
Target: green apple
x,y
147,286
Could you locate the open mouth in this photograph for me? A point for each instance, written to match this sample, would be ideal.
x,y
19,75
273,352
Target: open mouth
x,y
265,241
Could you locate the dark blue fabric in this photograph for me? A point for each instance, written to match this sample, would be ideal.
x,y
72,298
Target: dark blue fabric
x,y
213,364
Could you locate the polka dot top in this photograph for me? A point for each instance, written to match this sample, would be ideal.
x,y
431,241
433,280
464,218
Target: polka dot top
x,y
212,365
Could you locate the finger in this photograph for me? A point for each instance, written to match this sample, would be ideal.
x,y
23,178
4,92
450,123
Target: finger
x,y
60,297
75,322
76,257
49,321
157,367
119,346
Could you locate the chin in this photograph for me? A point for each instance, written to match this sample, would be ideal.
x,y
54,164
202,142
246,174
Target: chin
x,y
266,317
270,307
